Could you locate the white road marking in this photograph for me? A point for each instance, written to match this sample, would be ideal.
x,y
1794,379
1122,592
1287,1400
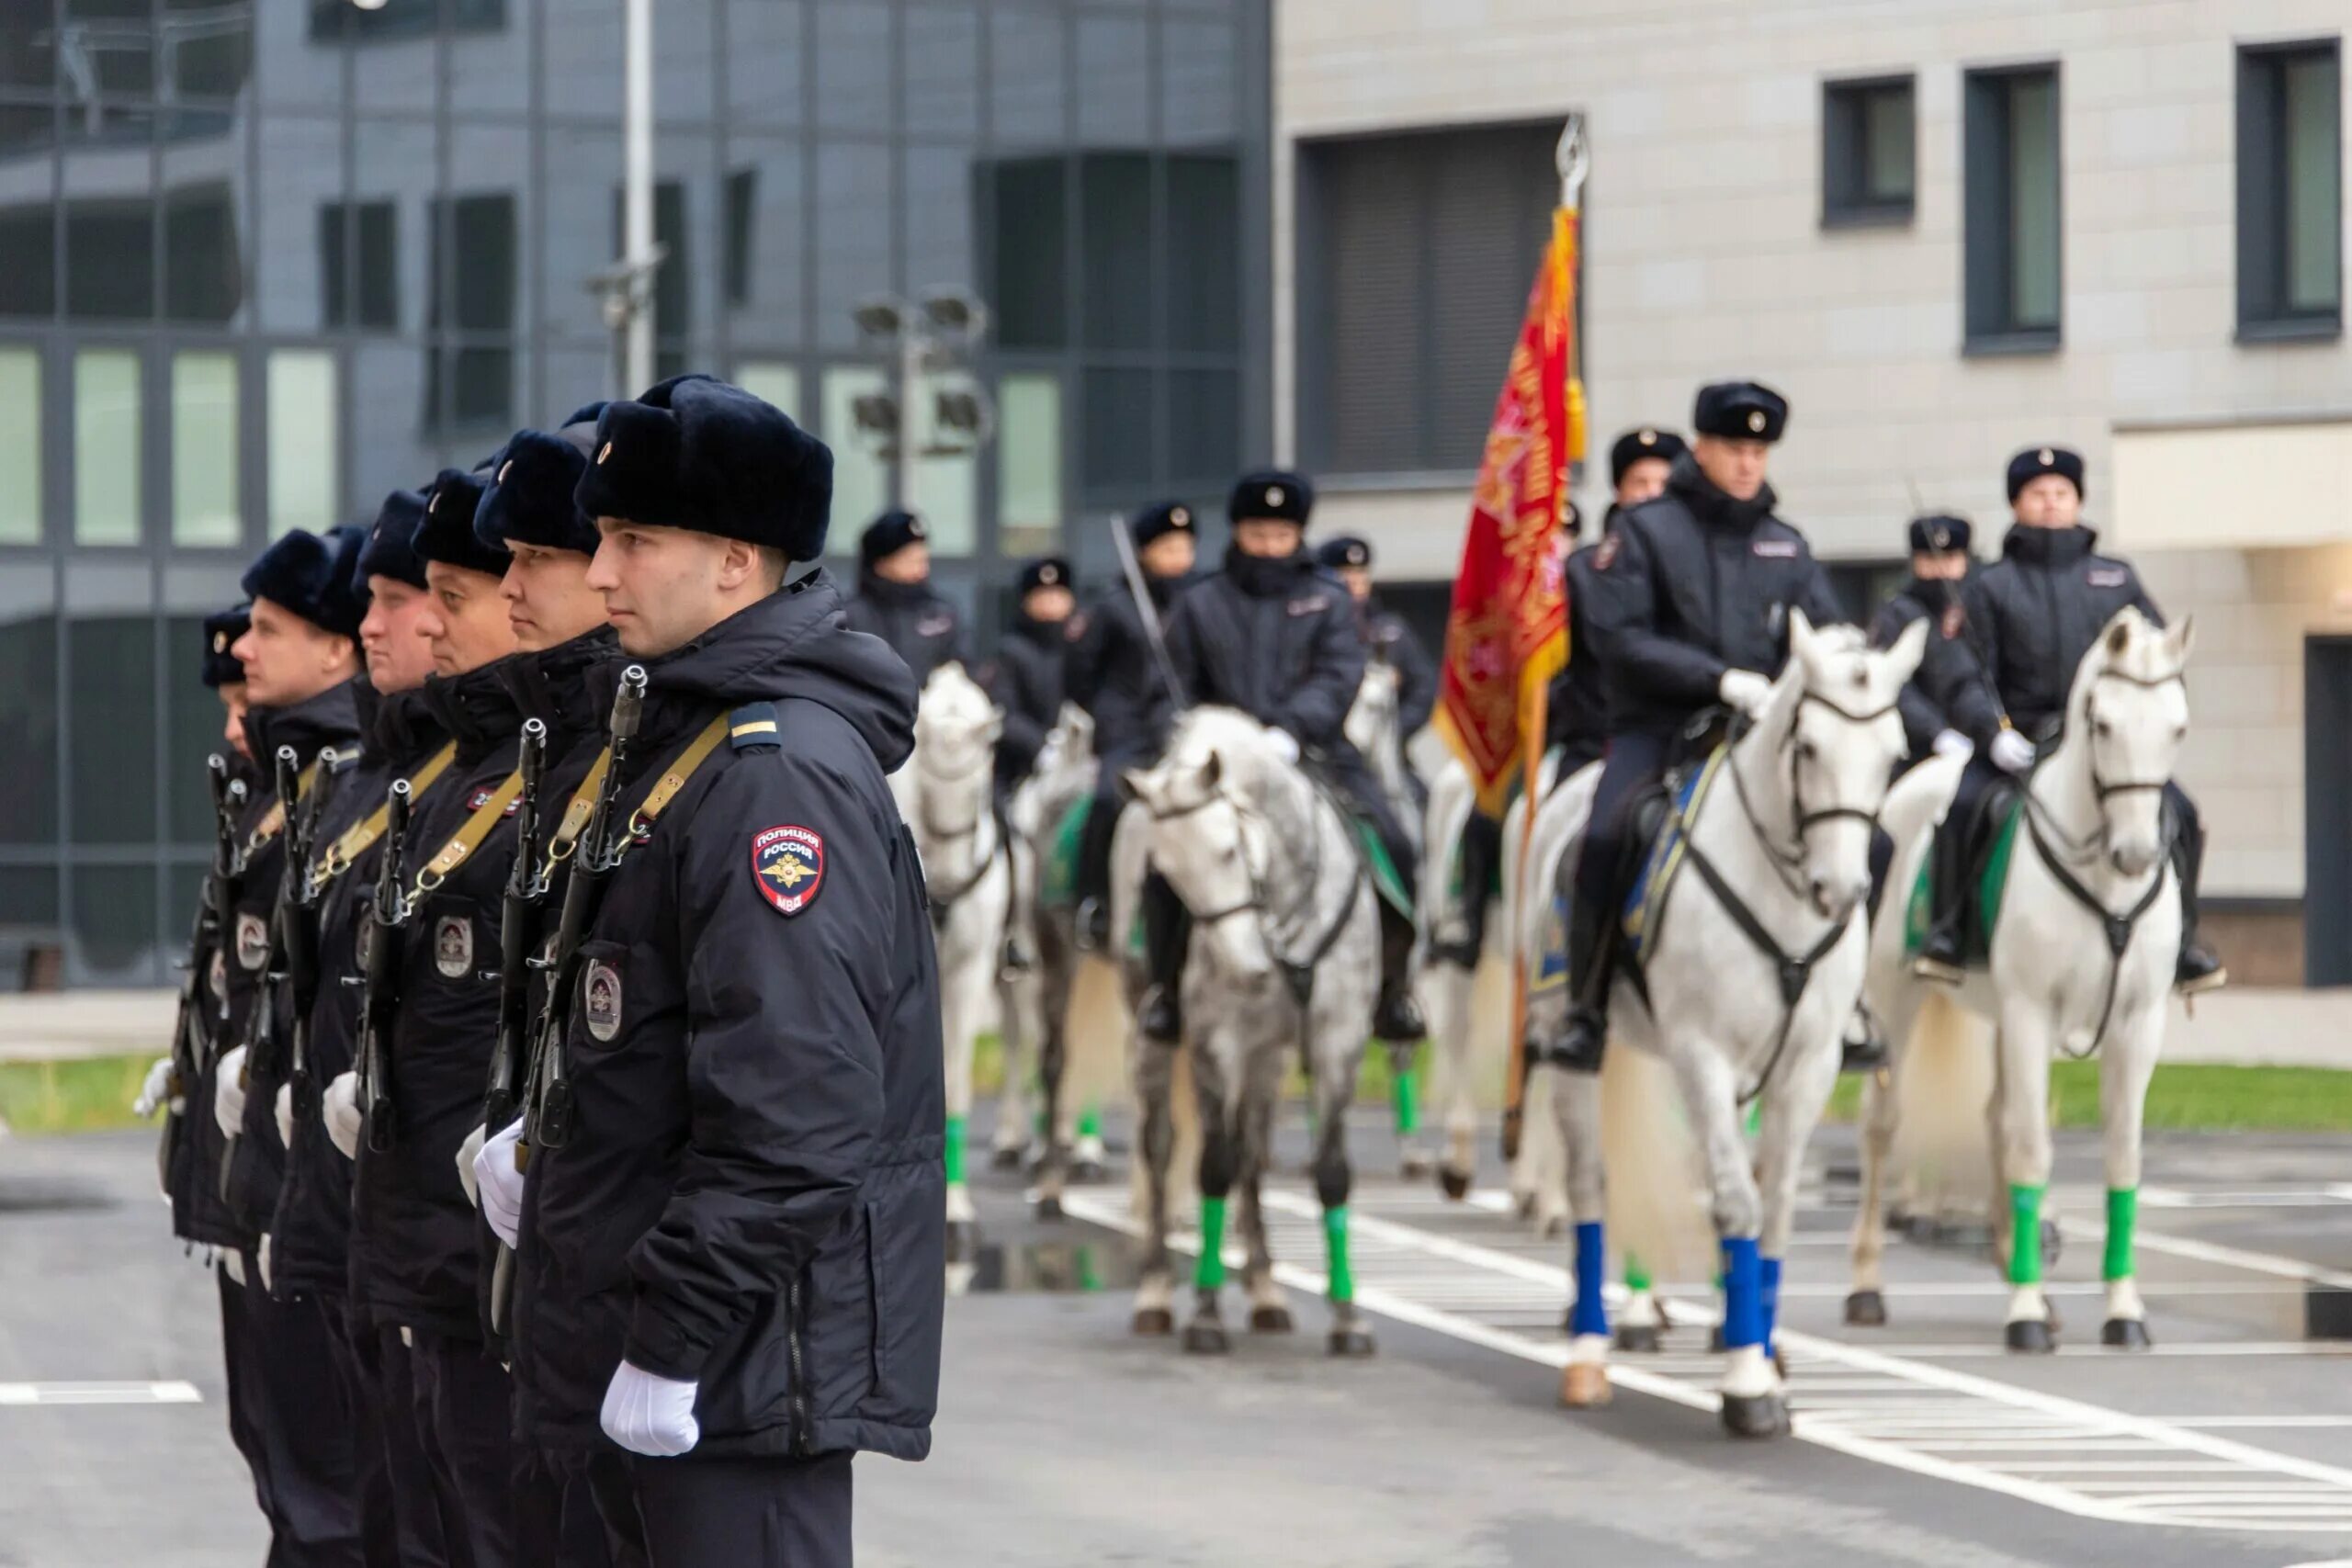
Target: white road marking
x,y
1888,1409
99,1393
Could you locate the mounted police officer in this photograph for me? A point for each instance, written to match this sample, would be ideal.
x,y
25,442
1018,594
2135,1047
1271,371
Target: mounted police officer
x,y
1688,605
1576,713
1025,678
1940,564
1386,635
2031,616
1273,634
1111,672
735,1262
895,599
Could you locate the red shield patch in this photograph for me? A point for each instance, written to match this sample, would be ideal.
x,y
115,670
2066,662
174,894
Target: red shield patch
x,y
1604,554
788,866
1955,618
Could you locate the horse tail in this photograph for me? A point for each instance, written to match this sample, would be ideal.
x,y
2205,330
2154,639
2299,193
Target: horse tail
x,y
1657,1203
1094,1036
1942,1142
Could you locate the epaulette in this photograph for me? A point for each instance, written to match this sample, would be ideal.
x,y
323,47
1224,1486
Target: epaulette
x,y
753,726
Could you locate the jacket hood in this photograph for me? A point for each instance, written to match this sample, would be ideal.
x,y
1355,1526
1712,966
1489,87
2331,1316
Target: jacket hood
x,y
476,709
328,719
1710,504
395,726
2049,547
551,685
1265,577
793,643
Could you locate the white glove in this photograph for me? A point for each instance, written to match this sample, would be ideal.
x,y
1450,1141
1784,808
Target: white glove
x,y
285,1114
234,1262
467,1153
261,1257
229,1097
651,1416
1953,743
344,1117
152,1092
2012,752
1743,691
500,1186
1283,744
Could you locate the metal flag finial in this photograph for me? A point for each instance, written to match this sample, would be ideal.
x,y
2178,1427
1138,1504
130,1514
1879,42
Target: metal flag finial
x,y
1573,158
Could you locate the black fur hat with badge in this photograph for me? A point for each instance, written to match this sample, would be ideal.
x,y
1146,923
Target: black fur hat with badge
x,y
390,549
1740,411
533,482
1273,495
1941,534
1159,520
1045,571
314,577
1635,444
447,532
696,453
2035,461
1345,550
221,630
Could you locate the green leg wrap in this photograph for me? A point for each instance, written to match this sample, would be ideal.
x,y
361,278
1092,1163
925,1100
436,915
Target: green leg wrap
x,y
1089,1123
954,1151
1755,1118
2025,1235
1409,1109
1335,1238
2122,1215
1638,1273
1210,1274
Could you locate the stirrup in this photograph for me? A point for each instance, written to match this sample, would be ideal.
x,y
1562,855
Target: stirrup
x,y
1161,1017
1937,970
1862,1050
2192,978
1093,923
1579,1049
1396,1021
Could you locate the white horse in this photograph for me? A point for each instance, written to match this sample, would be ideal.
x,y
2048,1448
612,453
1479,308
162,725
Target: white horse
x,y
1750,959
947,797
1283,966
1375,727
2081,959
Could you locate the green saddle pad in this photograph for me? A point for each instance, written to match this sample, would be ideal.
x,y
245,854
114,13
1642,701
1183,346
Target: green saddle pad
x,y
1991,882
1057,879
1385,877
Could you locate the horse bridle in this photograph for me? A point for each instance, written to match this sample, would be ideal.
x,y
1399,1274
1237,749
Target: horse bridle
x,y
1256,903
942,902
2081,852
1801,820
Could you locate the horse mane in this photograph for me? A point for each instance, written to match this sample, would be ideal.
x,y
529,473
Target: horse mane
x,y
2129,644
1246,760
949,691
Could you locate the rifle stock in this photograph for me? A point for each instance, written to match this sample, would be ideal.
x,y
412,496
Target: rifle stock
x,y
527,889
379,996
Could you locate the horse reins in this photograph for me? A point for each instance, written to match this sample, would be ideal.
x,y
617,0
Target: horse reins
x,y
943,903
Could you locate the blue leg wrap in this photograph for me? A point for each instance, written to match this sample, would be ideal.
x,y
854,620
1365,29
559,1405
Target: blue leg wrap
x,y
1770,1294
1743,1294
1591,1315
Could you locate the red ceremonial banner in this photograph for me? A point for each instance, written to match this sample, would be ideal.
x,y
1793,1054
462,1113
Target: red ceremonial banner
x,y
1506,635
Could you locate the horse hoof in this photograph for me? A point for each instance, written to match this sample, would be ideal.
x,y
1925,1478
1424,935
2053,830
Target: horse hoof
x,y
2124,1333
1639,1341
1005,1159
1866,1309
2032,1336
1584,1385
1454,1184
1153,1323
1715,1340
1351,1342
1048,1207
1413,1167
1755,1414
1205,1338
1553,1229
1526,1204
1780,1366
1270,1320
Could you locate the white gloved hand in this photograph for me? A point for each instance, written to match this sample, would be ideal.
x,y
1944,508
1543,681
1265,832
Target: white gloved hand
x,y
1743,691
285,1114
499,1184
152,1092
1953,743
344,1117
234,1262
261,1259
229,1097
648,1415
2012,752
467,1152
1283,744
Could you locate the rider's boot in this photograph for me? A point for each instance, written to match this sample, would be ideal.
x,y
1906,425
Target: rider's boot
x,y
1093,876
1943,955
1396,1020
1863,1048
1592,953
2198,968
1480,852
1167,930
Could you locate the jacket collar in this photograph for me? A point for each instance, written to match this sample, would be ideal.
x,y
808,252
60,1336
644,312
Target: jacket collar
x,y
1710,506
2047,546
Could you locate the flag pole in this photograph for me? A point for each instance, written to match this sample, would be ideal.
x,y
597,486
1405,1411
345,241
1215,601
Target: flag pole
x,y
1573,160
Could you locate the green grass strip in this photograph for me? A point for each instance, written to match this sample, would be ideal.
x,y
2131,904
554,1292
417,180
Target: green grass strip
x,y
91,1094
2188,1097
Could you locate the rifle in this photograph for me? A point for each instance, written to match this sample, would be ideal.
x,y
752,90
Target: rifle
x,y
261,1043
380,983
191,1039
526,891
547,1093
302,952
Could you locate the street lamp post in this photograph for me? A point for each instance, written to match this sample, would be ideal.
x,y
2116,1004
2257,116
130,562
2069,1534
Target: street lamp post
x,y
943,333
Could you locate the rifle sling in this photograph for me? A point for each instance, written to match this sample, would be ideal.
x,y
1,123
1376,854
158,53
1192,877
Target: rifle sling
x,y
468,836
361,836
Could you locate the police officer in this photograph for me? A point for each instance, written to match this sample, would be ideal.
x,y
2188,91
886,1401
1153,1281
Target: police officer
x,y
226,678
1940,562
1273,634
738,1255
1688,605
1385,634
1576,711
1025,678
301,662
416,1226
2031,616
895,599
1113,673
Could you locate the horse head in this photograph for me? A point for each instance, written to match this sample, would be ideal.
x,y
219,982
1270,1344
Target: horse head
x,y
2129,712
1836,736
1209,834
956,727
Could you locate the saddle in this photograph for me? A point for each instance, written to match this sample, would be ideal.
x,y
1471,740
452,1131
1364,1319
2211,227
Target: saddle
x,y
1992,840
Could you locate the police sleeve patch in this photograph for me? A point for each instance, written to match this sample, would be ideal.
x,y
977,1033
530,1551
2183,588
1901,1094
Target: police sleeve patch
x,y
788,866
1955,621
1604,555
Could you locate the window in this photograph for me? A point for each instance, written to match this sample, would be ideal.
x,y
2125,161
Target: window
x,y
1029,461
473,263
1028,274
1415,252
106,450
742,237
204,450
359,264
2291,192
861,486
204,268
393,19
673,282
1867,172
2011,215
19,447
110,773
304,479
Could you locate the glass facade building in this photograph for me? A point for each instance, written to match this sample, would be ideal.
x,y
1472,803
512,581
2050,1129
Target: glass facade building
x,y
262,261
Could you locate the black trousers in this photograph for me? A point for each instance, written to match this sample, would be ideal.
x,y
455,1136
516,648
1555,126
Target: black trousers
x,y
384,1536
388,1368
464,1413
303,1420
745,1513
574,1508
245,1392
1632,762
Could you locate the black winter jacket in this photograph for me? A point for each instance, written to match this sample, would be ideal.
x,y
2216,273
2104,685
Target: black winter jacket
x,y
1576,711
1691,584
753,1197
1111,674
2031,616
919,623
1948,662
1276,638
1025,681
310,1237
1386,636
211,959
417,1242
